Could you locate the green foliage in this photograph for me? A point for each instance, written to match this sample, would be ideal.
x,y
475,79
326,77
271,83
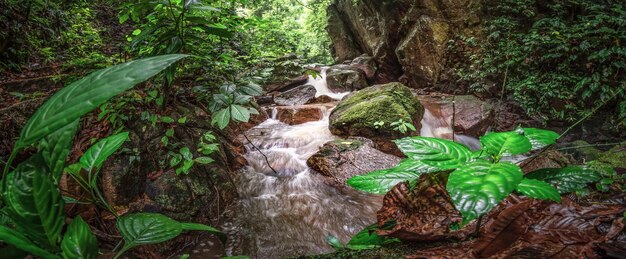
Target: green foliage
x,y
229,103
478,180
368,239
558,59
152,228
567,179
401,126
79,241
32,200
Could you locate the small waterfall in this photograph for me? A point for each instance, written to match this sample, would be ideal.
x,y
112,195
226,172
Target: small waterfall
x,y
290,212
321,86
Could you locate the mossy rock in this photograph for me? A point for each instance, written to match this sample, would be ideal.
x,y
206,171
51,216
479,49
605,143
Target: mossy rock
x,y
358,113
616,157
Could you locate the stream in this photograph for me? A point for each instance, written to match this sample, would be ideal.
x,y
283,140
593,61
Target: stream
x,y
288,210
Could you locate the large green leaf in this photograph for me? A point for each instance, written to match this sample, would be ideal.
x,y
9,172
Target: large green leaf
x,y
16,239
55,147
505,143
151,228
477,187
239,113
34,203
540,138
86,94
538,190
95,156
567,179
381,181
79,241
221,118
147,228
440,153
368,239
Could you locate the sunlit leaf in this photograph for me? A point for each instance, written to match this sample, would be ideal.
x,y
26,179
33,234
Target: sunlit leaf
x,y
381,181
540,138
505,143
567,179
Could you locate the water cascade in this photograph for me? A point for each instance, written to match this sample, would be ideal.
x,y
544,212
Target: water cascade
x,y
292,211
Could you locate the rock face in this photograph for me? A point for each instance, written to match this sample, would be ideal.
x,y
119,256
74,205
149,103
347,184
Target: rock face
x,y
297,96
343,158
406,38
344,78
359,113
294,115
472,116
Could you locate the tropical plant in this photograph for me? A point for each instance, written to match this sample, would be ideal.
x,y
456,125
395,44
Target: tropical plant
x,y
230,104
478,180
33,203
365,239
402,126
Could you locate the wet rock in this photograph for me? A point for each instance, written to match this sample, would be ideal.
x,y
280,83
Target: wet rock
x,y
344,158
366,64
286,84
359,113
343,78
472,116
294,115
297,96
323,99
407,38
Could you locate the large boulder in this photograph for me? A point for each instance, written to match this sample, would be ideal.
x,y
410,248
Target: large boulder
x,y
341,159
366,64
344,78
407,38
471,116
297,96
370,112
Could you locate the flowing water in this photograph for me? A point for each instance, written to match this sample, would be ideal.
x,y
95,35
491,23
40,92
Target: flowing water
x,y
291,211
288,210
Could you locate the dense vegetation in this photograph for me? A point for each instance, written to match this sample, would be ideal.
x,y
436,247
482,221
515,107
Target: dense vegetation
x,y
155,67
559,59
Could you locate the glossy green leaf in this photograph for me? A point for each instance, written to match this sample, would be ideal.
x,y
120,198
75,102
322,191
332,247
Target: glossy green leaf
x,y
95,156
567,179
440,153
221,118
56,147
368,239
540,138
252,89
381,181
239,113
18,240
79,241
34,203
86,94
477,187
147,228
334,242
505,143
151,228
538,190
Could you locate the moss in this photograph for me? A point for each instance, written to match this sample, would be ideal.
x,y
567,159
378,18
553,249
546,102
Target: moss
x,y
382,103
616,157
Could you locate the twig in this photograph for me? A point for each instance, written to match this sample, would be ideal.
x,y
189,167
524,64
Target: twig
x,y
453,116
257,148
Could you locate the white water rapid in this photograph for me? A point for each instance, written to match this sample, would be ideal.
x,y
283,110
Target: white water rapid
x,y
291,213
